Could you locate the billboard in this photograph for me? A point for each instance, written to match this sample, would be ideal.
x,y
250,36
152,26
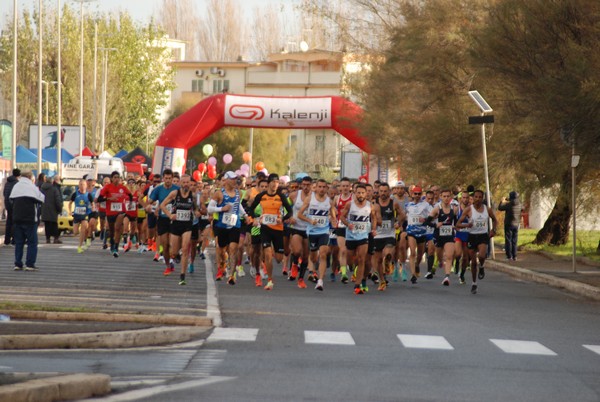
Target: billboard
x,y
69,138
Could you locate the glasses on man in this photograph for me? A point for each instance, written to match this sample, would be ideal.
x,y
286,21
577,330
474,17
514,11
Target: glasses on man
x,y
417,193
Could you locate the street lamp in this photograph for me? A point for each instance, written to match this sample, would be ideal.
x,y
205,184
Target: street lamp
x,y
40,81
81,139
485,108
59,109
104,85
46,84
15,130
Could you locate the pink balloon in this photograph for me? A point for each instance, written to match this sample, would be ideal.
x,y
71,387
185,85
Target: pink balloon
x,y
245,168
227,158
265,171
238,172
245,174
212,161
284,179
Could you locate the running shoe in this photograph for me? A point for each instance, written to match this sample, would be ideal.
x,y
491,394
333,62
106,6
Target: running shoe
x,y
172,264
358,290
88,242
177,258
461,278
364,288
161,259
269,285
382,286
258,281
284,271
31,268
190,268
375,278
413,279
344,271
253,272
301,283
474,289
332,276
231,280
80,249
104,246
481,273
247,261
319,285
202,256
344,279
17,268
156,257
312,277
240,271
429,275
396,274
294,272
220,274
126,248
182,282
446,281
115,254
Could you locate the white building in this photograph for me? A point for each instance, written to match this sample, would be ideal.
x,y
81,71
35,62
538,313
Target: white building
x,y
311,73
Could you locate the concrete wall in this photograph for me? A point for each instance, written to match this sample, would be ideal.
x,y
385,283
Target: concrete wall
x,y
542,202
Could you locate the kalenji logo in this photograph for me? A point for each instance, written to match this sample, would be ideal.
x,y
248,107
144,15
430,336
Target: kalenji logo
x,y
246,112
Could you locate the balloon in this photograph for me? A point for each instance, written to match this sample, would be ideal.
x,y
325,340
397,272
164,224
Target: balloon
x,y
197,175
202,167
245,168
207,150
212,174
242,173
238,172
284,179
265,171
259,166
212,168
227,158
212,161
247,156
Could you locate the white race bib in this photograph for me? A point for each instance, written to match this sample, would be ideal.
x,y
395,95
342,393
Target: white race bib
x,y
386,226
80,210
130,206
481,224
414,219
320,221
361,227
116,207
269,219
229,219
446,230
183,215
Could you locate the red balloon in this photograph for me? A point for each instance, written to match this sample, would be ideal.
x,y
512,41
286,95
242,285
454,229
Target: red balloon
x,y
197,175
212,174
259,166
212,168
202,168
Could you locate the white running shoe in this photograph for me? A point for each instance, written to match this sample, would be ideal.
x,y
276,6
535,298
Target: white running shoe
x,y
161,259
240,271
319,285
253,272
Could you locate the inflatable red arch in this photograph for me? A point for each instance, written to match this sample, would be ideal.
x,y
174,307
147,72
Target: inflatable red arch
x,y
217,111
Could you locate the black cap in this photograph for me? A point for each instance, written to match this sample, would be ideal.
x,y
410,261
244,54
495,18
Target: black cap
x,y
260,175
273,177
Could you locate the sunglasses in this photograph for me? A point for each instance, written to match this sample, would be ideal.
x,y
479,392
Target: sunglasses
x,y
417,193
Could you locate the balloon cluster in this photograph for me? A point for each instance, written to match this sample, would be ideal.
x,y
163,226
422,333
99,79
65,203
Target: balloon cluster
x,y
210,167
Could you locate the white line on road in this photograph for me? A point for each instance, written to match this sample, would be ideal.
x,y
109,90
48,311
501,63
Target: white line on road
x,y
153,391
593,348
522,347
234,334
424,342
328,338
212,301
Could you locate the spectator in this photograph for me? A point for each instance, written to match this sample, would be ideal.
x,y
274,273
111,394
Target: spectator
x,y
41,179
27,202
10,183
53,206
512,219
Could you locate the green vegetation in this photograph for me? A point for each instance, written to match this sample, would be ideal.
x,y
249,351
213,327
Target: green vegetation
x,y
38,307
587,242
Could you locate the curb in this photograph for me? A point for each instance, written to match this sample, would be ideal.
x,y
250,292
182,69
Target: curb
x,y
579,288
66,387
103,340
167,319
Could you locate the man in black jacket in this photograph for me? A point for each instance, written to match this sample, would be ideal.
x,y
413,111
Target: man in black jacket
x,y
8,186
26,201
512,220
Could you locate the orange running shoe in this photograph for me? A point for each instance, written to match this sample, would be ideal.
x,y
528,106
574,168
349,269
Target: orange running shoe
x,y
301,283
220,274
294,273
258,281
167,271
358,291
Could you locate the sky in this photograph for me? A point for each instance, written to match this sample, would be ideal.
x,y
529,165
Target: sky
x,y
140,10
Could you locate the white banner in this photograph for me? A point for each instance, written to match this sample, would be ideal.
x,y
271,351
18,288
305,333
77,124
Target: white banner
x,y
69,138
278,112
168,158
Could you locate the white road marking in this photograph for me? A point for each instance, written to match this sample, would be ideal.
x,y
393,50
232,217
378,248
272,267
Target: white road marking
x,y
153,391
234,334
328,338
212,301
424,342
593,348
522,347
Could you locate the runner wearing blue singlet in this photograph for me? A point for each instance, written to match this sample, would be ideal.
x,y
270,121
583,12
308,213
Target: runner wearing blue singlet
x,y
461,239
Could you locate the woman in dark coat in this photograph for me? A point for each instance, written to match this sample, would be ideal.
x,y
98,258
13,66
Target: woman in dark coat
x,y
52,207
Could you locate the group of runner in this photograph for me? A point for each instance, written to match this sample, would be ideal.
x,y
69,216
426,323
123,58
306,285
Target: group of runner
x,y
358,231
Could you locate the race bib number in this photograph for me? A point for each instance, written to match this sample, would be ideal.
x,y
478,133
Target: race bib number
x,y
386,226
183,214
320,221
229,219
361,227
116,207
80,210
446,230
481,224
414,219
130,206
205,217
269,219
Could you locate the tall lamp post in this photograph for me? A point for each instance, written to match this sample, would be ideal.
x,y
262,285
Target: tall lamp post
x,y
59,80
40,81
46,83
105,51
13,150
485,108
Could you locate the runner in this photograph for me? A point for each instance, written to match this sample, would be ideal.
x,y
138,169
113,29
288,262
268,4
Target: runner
x,y
320,214
446,215
429,237
299,239
180,207
340,202
358,216
479,216
271,221
416,212
163,223
83,201
115,194
255,240
390,217
130,220
102,214
151,210
461,239
93,216
401,199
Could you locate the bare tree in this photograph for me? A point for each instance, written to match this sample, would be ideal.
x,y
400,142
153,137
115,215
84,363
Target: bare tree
x,y
221,31
180,20
267,33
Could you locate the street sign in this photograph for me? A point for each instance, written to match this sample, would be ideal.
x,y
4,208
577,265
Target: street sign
x,y
481,119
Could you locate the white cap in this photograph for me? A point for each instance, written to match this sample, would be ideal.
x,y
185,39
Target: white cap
x,y
400,184
230,175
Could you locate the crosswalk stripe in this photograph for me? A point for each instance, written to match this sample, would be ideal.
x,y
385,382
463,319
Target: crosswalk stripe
x,y
593,348
522,347
234,334
328,338
424,342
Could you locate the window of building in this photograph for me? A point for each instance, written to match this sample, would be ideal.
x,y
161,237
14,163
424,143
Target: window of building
x,y
220,86
197,85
